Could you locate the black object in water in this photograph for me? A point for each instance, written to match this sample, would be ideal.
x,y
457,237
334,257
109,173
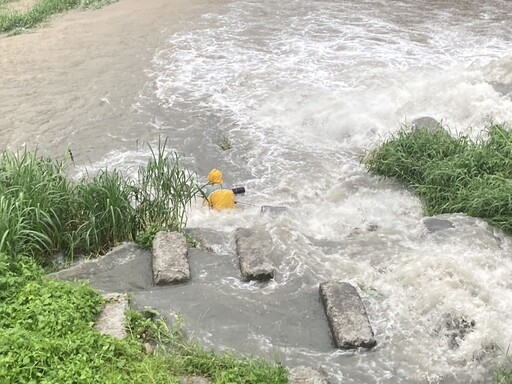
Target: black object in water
x,y
238,190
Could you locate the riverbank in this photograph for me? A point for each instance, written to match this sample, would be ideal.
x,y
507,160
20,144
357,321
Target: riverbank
x,y
68,81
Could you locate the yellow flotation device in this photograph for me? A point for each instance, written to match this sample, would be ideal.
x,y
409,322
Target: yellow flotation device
x,y
222,199
215,177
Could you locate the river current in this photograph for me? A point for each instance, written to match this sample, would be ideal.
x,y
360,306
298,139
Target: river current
x,y
301,90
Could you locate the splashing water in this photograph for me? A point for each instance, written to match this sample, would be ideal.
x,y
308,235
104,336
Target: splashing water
x,y
301,89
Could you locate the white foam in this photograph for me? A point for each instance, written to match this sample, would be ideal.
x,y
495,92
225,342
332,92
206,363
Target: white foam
x,y
308,87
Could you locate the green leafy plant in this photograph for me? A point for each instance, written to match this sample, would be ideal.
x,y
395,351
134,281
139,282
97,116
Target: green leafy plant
x,y
192,241
145,237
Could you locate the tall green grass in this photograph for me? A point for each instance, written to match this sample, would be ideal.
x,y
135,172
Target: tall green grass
x,y
452,174
164,191
35,200
503,374
42,11
43,212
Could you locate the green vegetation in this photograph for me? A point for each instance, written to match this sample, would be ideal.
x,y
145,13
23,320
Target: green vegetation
x,y
47,338
185,357
46,333
40,10
454,175
161,181
43,212
503,376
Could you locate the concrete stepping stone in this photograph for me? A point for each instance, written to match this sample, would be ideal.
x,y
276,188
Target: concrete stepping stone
x,y
434,224
111,320
306,375
253,247
273,210
170,263
347,316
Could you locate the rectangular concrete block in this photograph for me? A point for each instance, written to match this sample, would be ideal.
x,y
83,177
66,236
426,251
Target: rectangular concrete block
x,y
253,247
111,320
306,375
170,263
347,316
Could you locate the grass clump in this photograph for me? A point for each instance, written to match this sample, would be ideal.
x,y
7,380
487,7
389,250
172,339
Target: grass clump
x,y
43,212
40,11
160,182
503,376
452,174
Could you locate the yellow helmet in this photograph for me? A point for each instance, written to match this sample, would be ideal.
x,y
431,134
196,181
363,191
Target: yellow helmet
x,y
215,176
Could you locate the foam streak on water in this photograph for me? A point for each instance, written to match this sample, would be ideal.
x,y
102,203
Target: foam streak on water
x,y
301,89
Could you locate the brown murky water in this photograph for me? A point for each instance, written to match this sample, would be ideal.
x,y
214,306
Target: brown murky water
x,y
301,89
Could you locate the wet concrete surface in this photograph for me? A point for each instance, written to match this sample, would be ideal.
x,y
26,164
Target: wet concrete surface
x,y
219,309
126,268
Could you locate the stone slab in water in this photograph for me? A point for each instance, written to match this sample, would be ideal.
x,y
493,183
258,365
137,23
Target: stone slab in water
x,y
273,210
111,319
170,263
126,268
434,224
253,247
306,375
426,123
347,316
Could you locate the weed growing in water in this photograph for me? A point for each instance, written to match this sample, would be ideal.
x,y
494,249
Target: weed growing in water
x,y
163,192
225,143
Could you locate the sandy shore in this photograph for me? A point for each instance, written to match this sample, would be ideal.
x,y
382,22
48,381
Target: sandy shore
x,y
72,80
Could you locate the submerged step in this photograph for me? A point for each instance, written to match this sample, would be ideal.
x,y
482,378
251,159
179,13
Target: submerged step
x,y
273,210
253,247
306,375
347,316
111,320
170,263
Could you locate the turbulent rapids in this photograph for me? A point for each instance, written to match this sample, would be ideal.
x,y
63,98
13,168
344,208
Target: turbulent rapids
x,y
301,91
